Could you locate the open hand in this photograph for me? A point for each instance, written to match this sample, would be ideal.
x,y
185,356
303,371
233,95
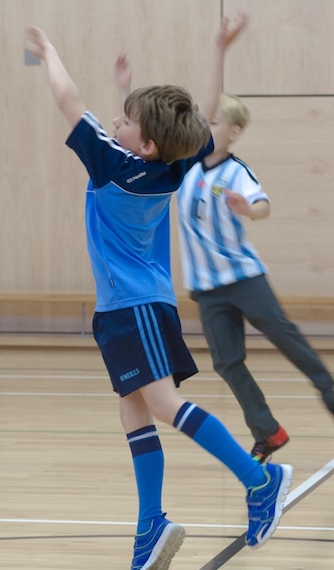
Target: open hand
x,y
229,32
122,72
237,203
36,41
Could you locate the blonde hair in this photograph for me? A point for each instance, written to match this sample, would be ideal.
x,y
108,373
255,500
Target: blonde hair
x,y
168,116
235,110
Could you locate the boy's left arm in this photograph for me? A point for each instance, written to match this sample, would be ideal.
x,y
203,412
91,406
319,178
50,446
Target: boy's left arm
x,y
259,210
213,87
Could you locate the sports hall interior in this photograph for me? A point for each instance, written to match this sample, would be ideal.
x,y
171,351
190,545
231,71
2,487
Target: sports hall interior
x,y
68,498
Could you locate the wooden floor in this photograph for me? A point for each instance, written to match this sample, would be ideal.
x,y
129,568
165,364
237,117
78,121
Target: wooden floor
x,y
67,493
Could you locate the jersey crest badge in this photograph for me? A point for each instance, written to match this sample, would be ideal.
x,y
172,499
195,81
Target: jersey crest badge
x,y
218,188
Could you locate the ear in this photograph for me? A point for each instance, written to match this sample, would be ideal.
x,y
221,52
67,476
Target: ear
x,y
235,133
149,149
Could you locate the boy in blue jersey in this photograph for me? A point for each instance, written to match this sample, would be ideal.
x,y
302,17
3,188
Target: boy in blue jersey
x,y
227,278
132,176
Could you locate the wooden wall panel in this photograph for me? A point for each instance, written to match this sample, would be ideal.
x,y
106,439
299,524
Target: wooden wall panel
x,y
288,48
286,51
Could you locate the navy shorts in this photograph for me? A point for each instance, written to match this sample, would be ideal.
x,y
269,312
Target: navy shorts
x,y
142,344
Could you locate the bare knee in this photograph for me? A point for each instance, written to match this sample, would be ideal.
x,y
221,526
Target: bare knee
x,y
134,413
163,400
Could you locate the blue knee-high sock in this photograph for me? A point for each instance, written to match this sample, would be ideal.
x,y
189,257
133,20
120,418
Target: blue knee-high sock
x,y
148,461
206,430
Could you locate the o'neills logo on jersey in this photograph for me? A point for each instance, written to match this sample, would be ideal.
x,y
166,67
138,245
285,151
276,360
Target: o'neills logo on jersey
x,y
129,374
134,178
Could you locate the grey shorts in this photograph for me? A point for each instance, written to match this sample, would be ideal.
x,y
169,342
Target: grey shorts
x,y
142,344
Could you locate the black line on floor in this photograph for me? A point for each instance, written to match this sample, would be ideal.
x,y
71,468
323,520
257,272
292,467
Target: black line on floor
x,y
226,554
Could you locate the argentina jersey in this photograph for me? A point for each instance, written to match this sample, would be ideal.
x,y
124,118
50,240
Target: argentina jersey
x,y
214,248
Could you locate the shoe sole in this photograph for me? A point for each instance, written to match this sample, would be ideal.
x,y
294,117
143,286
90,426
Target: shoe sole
x,y
166,548
281,496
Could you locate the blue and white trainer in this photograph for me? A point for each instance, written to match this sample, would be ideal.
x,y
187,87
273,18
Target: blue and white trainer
x,y
265,504
154,549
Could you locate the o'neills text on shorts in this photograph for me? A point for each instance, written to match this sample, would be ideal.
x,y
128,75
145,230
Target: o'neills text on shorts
x,y
129,374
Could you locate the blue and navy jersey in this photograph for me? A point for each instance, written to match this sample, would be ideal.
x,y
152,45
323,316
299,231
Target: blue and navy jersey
x,y
215,250
127,218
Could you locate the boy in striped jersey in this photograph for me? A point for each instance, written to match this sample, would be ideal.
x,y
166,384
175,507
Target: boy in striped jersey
x,y
227,279
132,177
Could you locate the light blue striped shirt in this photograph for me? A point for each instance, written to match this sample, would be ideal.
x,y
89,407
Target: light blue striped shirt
x,y
215,251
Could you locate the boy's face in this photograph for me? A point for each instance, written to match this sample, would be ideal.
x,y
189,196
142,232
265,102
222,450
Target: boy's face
x,y
223,132
128,134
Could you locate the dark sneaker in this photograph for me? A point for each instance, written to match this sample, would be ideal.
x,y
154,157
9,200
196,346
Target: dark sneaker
x,y
263,449
265,504
155,549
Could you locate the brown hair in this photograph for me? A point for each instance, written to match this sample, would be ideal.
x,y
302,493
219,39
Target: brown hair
x,y
168,116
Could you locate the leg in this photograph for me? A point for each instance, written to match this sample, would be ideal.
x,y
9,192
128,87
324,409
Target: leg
x,y
134,413
147,455
147,329
267,486
151,396
157,539
269,317
206,430
223,328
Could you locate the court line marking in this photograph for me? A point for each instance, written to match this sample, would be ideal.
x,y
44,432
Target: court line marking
x,y
125,523
238,544
292,499
117,535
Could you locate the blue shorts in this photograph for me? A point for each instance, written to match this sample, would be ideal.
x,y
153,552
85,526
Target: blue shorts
x,y
142,344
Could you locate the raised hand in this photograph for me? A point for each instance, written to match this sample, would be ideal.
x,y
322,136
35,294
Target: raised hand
x,y
229,31
122,72
36,41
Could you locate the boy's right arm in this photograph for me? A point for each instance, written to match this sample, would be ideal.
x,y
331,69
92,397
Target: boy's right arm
x,y
65,92
258,210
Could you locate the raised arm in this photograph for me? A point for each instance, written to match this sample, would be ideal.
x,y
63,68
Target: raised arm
x,y
65,92
123,77
227,34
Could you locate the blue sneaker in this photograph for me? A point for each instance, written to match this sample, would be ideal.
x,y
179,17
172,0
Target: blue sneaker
x,y
155,549
265,504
